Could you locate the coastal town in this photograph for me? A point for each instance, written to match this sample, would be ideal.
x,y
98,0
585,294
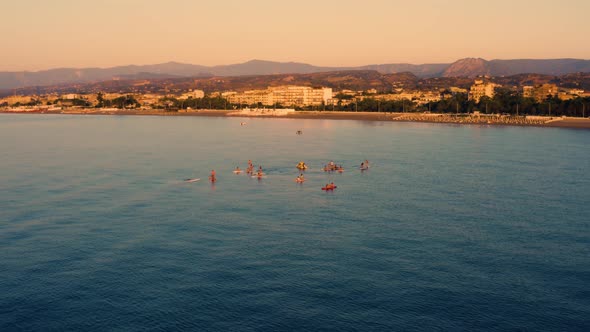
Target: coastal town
x,y
483,102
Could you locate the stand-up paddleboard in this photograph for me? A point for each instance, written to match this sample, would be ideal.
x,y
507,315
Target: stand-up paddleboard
x,y
324,188
259,177
191,180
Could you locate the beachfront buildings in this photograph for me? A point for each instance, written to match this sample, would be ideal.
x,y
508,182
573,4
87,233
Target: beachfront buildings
x,y
418,97
480,89
301,95
288,95
147,100
539,92
250,97
12,100
195,94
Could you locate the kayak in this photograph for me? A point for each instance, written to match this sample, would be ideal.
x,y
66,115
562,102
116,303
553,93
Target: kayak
x,y
191,180
237,172
299,180
324,188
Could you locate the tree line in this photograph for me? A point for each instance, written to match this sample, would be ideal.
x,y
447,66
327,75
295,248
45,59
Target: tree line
x,y
207,102
504,101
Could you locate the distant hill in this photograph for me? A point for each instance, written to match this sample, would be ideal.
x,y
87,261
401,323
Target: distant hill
x,y
261,67
469,67
345,79
337,80
10,80
425,70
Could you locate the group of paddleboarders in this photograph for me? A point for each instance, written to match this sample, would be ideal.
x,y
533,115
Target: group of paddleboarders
x,y
331,166
250,170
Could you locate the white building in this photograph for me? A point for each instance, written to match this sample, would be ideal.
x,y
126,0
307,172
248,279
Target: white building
x,y
69,96
481,89
289,95
195,94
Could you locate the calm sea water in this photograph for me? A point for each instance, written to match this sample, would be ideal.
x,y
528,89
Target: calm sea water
x,y
452,228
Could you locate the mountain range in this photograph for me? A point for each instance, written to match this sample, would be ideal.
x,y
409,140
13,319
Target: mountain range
x,y
469,67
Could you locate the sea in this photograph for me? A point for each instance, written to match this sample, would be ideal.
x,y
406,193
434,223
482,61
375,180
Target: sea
x,y
452,228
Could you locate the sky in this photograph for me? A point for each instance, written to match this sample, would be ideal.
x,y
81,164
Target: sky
x,y
44,34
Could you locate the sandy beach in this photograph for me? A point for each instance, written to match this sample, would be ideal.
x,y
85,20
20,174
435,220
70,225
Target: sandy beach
x,y
538,121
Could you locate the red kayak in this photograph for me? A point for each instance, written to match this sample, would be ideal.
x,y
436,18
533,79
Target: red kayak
x,y
325,188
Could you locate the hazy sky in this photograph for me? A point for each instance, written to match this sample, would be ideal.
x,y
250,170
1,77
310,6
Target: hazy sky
x,y
42,34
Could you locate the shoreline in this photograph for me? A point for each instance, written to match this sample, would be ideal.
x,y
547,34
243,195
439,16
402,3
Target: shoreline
x,y
461,119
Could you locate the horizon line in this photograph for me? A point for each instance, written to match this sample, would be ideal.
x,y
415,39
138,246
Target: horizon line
x,y
283,62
